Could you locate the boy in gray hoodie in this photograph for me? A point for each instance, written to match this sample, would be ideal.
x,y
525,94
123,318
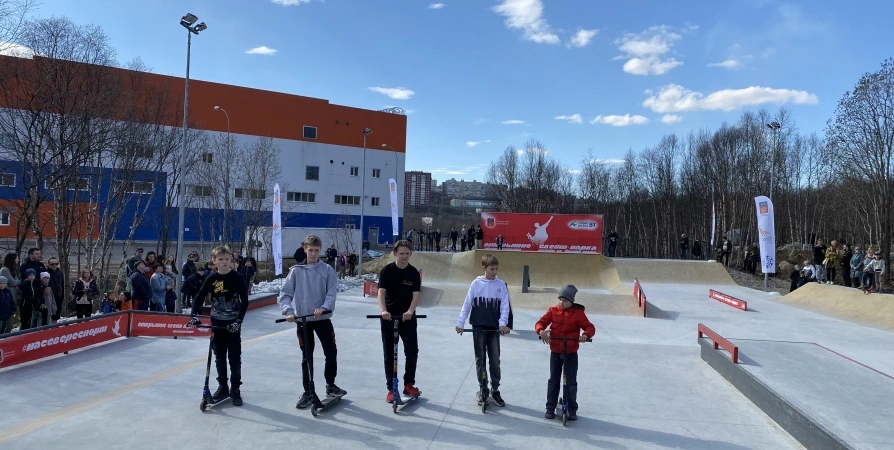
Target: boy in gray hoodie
x,y
310,288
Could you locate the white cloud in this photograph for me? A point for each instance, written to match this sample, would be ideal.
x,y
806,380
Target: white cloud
x,y
290,2
574,171
609,161
16,50
513,122
436,6
582,38
262,50
675,98
646,52
527,15
729,64
671,118
397,93
574,118
620,121
471,144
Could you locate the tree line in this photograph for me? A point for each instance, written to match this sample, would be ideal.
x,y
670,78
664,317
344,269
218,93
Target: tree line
x,y
835,185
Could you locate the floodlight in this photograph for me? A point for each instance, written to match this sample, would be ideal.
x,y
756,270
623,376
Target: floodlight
x,y
201,27
189,19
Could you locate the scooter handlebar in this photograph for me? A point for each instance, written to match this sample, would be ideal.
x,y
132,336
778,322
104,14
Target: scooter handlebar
x,y
325,311
566,339
379,316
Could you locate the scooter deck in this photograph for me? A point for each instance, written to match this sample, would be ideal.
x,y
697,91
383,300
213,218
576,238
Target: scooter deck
x,y
211,403
404,400
321,403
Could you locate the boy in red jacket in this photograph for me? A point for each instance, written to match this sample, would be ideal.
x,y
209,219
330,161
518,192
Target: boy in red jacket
x,y
567,319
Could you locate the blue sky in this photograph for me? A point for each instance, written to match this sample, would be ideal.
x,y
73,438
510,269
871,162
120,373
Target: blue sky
x,y
479,75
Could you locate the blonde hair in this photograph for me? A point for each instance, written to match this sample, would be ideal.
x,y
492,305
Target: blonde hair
x,y
221,250
312,241
402,243
489,260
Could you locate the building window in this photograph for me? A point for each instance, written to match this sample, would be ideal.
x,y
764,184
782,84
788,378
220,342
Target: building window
x,y
310,132
377,173
375,201
347,200
355,171
201,191
135,150
7,179
207,158
312,173
77,184
301,197
350,226
253,194
137,187
4,219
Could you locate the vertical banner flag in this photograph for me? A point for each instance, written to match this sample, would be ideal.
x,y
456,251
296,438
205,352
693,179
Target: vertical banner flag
x,y
392,186
277,230
765,229
713,218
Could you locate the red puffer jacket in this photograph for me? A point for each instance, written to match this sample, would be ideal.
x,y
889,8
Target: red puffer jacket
x,y
566,323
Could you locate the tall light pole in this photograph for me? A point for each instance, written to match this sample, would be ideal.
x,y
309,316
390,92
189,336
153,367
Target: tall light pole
x,y
366,132
395,183
775,127
188,21
227,158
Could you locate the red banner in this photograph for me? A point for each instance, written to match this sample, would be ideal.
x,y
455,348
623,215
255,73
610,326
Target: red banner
x,y
164,325
40,344
555,233
370,288
729,300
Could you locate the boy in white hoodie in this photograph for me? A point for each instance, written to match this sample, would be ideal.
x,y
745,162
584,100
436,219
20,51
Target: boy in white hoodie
x,y
310,288
487,309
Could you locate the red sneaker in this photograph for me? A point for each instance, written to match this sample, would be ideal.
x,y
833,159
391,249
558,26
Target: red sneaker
x,y
390,397
411,390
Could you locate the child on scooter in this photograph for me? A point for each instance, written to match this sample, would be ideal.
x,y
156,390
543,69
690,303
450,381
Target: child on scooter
x,y
568,319
310,288
488,304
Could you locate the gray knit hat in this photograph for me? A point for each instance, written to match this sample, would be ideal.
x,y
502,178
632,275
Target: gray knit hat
x,y
568,292
3,279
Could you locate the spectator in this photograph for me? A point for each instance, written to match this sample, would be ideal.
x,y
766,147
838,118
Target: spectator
x,y
151,259
342,265
189,267
809,272
331,254
752,258
171,267
696,250
125,302
83,292
131,265
192,284
300,256
57,283
7,307
33,262
832,262
438,239
44,302
159,285
352,263
453,237
613,244
846,255
499,242
479,237
31,294
10,270
140,290
795,277
684,245
248,272
726,249
819,257
463,234
856,267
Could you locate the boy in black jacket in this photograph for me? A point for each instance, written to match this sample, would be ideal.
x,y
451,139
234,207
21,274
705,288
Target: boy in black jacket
x,y
229,302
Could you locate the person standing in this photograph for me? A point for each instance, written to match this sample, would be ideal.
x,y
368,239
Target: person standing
x,y
34,263
331,255
83,292
684,245
352,263
612,243
399,291
57,282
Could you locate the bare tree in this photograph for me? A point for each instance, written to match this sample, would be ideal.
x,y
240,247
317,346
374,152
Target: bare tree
x,y
259,169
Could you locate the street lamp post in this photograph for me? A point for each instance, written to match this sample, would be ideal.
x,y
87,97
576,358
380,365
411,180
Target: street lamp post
x,y
366,132
395,182
775,127
227,158
188,21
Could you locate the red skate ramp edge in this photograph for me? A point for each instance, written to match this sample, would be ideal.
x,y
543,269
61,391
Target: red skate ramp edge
x,y
640,297
38,343
801,426
728,299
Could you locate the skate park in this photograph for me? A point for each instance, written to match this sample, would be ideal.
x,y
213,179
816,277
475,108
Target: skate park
x,y
644,382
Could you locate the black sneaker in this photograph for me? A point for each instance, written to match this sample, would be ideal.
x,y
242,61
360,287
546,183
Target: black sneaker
x,y
334,391
221,393
305,401
572,415
550,414
498,399
237,397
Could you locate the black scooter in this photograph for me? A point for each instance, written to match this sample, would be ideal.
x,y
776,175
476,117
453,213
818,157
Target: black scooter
x,y
563,400
318,405
396,400
485,390
207,398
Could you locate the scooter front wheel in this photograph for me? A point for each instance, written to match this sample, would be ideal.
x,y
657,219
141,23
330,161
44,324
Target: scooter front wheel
x,y
203,405
313,409
564,419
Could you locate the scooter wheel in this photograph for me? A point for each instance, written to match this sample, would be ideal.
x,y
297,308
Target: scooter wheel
x,y
394,406
564,419
313,410
203,405
484,407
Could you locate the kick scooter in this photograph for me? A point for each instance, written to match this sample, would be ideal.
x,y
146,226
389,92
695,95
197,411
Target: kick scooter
x,y
485,391
396,400
317,405
563,400
207,398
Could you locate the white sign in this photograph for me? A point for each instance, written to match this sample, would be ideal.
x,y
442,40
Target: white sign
x,y
277,230
392,186
765,229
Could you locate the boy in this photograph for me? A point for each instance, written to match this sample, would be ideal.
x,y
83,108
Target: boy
x,y
567,319
229,302
488,304
310,288
399,291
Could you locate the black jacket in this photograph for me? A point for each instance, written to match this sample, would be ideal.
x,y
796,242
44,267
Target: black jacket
x,y
139,287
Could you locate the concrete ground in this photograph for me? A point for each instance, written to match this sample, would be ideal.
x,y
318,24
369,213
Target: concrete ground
x,y
642,385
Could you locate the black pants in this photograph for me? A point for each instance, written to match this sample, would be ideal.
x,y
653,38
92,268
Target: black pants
x,y
58,308
830,271
846,275
487,347
407,333
324,330
611,249
555,380
227,345
25,315
84,310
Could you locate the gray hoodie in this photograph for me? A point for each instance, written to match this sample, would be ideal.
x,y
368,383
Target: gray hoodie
x,y
308,287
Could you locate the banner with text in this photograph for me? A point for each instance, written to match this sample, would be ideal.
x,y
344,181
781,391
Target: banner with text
x,y
392,187
766,234
277,230
60,339
164,325
554,233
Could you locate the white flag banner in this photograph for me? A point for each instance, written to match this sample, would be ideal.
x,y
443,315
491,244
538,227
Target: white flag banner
x,y
713,222
392,186
765,230
277,230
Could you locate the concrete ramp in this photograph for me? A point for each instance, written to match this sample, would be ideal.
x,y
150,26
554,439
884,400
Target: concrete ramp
x,y
876,310
668,271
